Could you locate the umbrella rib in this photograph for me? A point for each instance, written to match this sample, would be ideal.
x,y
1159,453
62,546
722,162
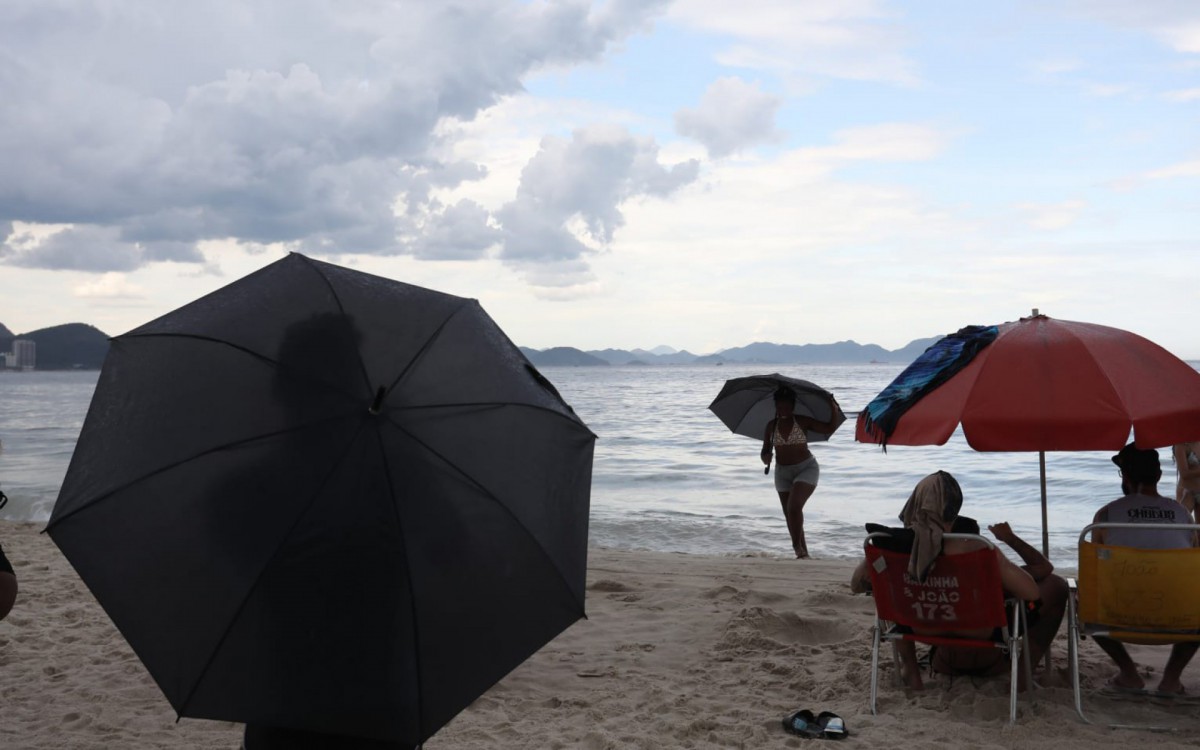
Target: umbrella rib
x,y
454,467
387,473
425,347
224,446
250,590
492,405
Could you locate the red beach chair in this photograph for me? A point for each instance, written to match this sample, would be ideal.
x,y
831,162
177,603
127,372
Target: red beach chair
x,y
961,593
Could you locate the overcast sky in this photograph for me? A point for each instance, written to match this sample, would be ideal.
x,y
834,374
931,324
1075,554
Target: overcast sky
x,y
620,174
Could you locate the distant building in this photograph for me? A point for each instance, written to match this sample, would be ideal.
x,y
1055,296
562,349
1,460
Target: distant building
x,y
25,353
8,360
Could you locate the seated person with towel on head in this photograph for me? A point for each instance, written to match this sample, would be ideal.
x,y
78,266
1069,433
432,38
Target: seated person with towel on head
x,y
933,510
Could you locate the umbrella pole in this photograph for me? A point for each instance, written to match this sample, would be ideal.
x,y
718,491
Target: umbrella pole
x,y
1045,527
1045,536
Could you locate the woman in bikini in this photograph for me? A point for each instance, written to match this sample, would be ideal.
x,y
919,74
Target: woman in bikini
x,y
1187,470
796,469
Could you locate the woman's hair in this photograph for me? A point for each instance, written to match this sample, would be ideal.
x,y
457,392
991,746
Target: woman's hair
x,y
783,393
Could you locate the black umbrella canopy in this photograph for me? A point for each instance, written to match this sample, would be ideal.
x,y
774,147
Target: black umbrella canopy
x,y
747,404
326,500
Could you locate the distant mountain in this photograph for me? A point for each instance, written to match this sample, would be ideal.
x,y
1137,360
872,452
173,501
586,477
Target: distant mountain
x,y
913,349
73,346
81,346
641,356
842,352
562,356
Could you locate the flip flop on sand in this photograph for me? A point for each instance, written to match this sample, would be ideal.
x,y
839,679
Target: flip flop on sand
x,y
832,726
802,723
1183,696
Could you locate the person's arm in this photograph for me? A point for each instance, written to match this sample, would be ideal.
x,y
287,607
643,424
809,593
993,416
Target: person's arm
x,y
822,427
765,455
1035,562
1016,581
1100,517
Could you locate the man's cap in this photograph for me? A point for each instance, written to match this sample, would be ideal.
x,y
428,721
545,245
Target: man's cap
x,y
1138,463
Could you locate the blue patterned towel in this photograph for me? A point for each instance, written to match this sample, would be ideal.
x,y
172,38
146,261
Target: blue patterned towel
x,y
935,366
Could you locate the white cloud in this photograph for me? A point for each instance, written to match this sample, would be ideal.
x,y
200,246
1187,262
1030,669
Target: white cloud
x,y
108,286
459,232
1184,38
851,39
569,203
883,142
1183,95
1174,22
1052,216
153,128
1105,90
1057,66
1182,169
732,115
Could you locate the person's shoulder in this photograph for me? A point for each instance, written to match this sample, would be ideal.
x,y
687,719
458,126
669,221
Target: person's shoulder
x,y
1102,513
962,546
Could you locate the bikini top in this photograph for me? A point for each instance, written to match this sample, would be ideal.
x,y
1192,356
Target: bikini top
x,y
795,437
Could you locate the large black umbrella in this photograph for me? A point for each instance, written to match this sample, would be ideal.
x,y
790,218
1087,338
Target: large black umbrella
x,y
746,404
326,500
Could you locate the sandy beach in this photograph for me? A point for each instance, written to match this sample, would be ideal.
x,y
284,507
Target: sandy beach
x,y
678,651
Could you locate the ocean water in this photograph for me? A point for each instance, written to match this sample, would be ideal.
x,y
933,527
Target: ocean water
x,y
668,476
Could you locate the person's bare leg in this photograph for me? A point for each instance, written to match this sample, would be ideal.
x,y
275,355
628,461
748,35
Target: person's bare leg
x,y
910,670
1181,654
1128,677
1053,593
799,495
791,526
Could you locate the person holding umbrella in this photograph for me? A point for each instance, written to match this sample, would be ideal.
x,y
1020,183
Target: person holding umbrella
x,y
796,468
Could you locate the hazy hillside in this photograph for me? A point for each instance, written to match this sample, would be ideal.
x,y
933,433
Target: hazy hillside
x,y
81,346
562,356
65,347
842,352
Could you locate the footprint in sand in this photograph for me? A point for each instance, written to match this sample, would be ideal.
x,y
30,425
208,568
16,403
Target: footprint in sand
x,y
609,586
643,647
742,596
786,628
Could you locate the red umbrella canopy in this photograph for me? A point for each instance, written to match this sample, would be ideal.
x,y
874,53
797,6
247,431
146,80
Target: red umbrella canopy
x,y
1057,385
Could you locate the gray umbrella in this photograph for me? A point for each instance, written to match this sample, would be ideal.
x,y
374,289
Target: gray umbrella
x,y
746,404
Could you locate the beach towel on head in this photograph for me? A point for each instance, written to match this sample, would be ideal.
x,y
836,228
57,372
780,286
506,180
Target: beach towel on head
x,y
935,366
935,500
